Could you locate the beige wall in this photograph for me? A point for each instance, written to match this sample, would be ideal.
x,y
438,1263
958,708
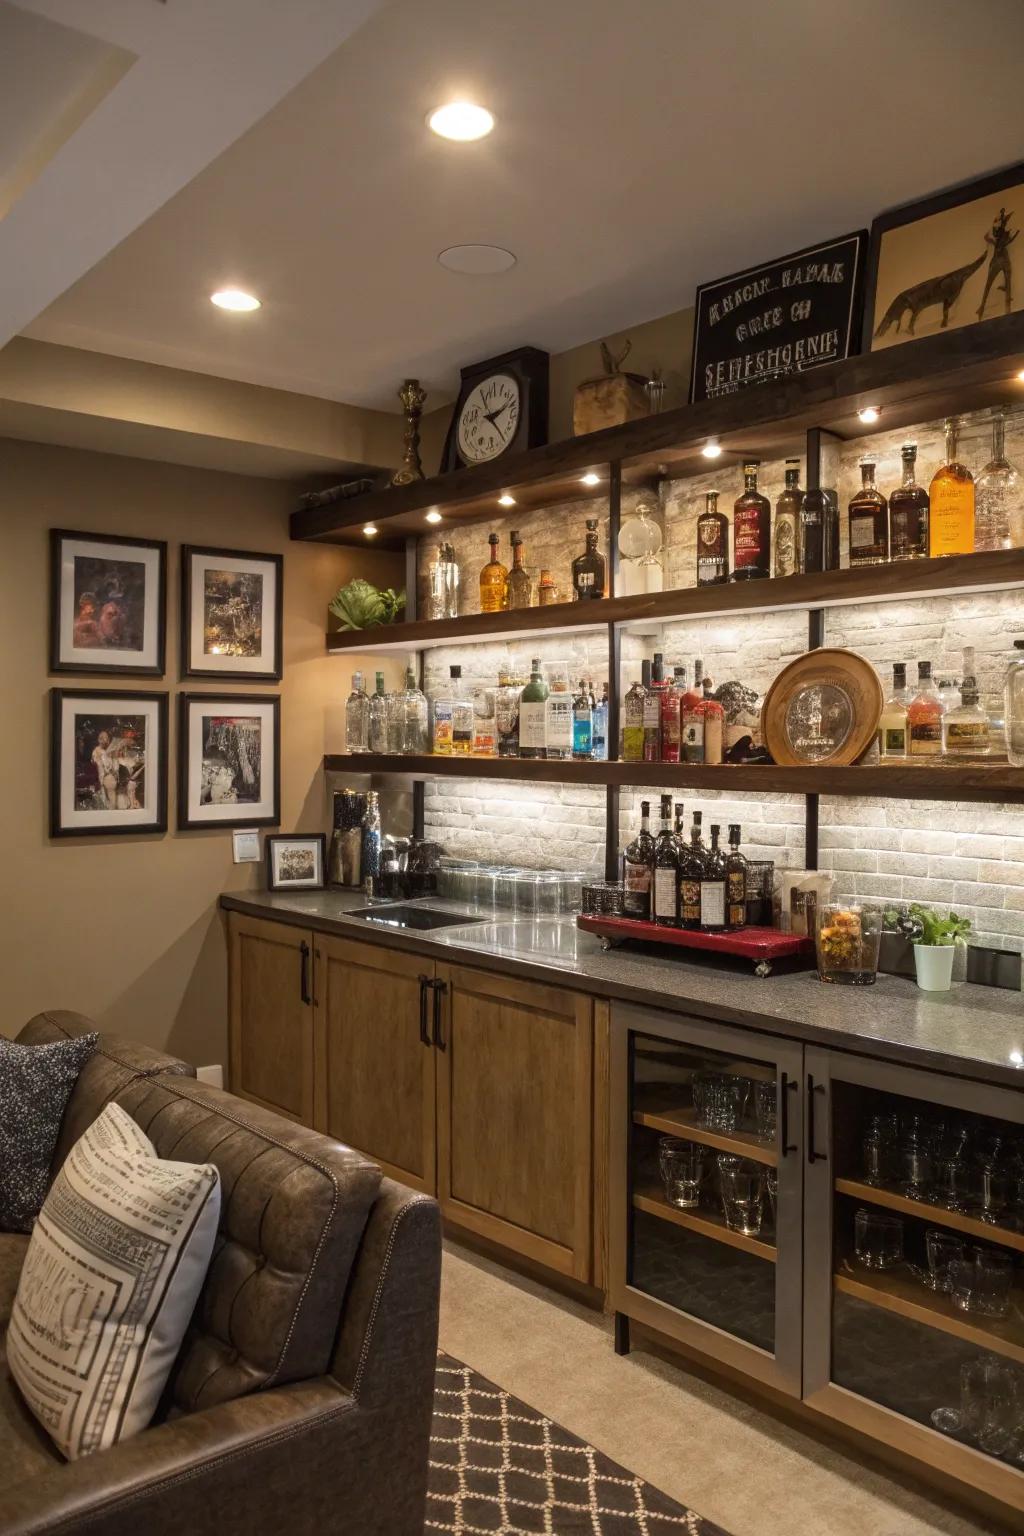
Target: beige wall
x,y
126,929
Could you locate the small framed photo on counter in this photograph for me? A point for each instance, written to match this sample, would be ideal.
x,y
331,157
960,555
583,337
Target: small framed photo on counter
x,y
231,614
296,862
229,760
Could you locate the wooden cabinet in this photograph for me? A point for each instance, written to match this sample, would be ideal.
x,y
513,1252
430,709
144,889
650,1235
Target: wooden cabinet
x,y
270,1010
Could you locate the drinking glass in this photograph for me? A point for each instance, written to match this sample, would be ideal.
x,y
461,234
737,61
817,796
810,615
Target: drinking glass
x,y
877,1240
941,1249
742,1187
988,1397
682,1170
990,1189
963,1278
702,1086
993,1282
759,886
771,1189
766,1110
548,890
916,1166
526,894
726,1102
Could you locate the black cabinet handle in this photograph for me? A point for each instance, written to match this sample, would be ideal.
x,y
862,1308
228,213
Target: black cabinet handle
x,y
304,973
786,1086
812,1089
425,982
440,988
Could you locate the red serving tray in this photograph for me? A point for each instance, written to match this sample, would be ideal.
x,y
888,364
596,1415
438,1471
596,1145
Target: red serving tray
x,y
761,945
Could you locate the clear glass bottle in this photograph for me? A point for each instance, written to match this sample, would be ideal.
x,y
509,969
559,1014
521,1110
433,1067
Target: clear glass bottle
x,y
951,494
712,887
520,586
493,581
370,859
751,529
868,521
357,717
633,724
735,882
1013,707
636,869
414,717
444,584
533,714
908,512
712,544
691,870
652,714
444,714
601,727
582,725
506,711
558,714
892,724
588,569
924,716
379,710
484,727
966,731
999,496
665,872
786,557
463,716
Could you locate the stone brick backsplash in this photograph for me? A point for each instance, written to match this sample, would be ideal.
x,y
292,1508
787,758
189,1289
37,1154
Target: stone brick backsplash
x,y
538,826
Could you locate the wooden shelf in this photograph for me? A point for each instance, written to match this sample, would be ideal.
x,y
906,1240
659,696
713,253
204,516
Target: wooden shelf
x,y
900,1293
707,1223
879,583
948,781
683,1123
936,1215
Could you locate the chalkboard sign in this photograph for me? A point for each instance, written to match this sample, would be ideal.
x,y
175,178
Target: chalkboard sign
x,y
784,317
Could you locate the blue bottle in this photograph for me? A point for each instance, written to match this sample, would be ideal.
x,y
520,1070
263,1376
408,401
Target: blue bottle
x,y
599,729
582,725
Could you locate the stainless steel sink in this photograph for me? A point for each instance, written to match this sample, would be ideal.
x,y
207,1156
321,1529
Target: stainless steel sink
x,y
551,940
400,915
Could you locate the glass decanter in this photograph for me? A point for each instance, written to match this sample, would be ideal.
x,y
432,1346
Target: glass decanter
x,y
998,496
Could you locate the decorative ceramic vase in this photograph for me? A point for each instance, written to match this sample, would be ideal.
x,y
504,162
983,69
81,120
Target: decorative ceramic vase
x,y
934,966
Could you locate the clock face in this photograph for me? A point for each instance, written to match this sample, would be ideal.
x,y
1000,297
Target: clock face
x,y
489,418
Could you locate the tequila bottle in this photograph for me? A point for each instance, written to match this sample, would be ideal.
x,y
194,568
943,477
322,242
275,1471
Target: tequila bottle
x,y
520,587
999,496
357,717
908,512
493,581
951,493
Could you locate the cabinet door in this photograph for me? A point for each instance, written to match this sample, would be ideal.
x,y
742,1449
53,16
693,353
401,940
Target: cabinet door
x,y
271,1015
514,1104
375,1077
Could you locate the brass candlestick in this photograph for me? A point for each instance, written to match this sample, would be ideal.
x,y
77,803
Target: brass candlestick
x,y
412,398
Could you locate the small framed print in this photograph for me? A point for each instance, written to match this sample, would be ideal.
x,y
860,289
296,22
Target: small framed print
x,y
108,762
229,760
108,604
296,863
231,614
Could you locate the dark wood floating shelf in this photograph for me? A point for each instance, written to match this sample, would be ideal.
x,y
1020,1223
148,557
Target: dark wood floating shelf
x,y
919,381
946,781
882,583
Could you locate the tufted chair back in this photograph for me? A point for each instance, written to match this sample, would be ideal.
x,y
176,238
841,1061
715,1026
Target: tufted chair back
x,y
293,1208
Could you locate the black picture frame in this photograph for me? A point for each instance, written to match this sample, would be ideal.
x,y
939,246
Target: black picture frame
x,y
274,839
239,672
244,816
963,193
60,659
531,369
60,825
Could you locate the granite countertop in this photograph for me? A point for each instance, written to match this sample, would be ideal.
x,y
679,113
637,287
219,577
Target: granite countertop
x,y
972,1031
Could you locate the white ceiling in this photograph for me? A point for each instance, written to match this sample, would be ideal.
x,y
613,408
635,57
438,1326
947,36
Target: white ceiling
x,y
640,149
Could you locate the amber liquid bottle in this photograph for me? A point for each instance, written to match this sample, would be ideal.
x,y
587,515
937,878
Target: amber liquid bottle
x,y
908,512
869,521
751,530
520,587
951,493
712,544
787,523
493,581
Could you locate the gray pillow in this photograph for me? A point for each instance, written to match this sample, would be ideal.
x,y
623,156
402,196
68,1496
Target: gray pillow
x,y
35,1085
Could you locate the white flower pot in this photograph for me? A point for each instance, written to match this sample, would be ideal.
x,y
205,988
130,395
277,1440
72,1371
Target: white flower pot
x,y
934,965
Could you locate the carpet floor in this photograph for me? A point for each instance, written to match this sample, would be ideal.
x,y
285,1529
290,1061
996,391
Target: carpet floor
x,y
499,1468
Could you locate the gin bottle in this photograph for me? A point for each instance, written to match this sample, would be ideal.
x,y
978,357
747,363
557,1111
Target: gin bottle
x,y
999,496
413,716
357,717
378,729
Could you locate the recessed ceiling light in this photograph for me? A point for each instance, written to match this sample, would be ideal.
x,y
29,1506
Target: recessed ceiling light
x,y
236,299
433,516
461,120
506,500
370,529
477,260
869,414
590,478
712,450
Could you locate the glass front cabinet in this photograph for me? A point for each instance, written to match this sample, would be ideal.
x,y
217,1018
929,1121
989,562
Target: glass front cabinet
x,y
848,1231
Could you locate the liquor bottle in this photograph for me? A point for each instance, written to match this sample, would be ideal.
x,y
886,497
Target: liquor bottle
x,y
588,569
633,724
691,869
787,523
652,716
600,727
868,521
691,719
582,725
533,714
520,587
735,882
379,710
924,716
357,717
414,717
443,712
966,731
908,512
751,530
493,581
665,872
671,719
506,711
951,493
1013,707
558,714
712,887
485,730
547,589
999,496
819,531
712,544
463,716
712,725
636,899
680,832
892,724
370,850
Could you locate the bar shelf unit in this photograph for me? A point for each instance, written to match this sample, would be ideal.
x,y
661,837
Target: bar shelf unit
x,y
905,1297
683,1123
706,1223
936,1215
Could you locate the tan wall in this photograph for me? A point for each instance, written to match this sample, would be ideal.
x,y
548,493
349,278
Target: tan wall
x,y
126,929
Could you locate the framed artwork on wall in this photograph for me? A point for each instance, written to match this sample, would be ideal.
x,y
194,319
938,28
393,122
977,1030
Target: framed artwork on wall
x,y
947,261
108,604
229,760
108,762
231,614
296,862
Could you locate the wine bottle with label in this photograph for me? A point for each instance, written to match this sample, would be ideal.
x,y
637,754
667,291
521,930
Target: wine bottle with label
x,y
665,872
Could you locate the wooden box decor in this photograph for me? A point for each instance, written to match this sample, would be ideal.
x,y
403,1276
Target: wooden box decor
x,y
610,400
823,709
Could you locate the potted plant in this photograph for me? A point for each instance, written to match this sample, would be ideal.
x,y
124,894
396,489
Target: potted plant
x,y
934,950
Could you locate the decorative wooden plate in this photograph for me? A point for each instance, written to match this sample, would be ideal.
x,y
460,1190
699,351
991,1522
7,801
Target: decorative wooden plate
x,y
822,709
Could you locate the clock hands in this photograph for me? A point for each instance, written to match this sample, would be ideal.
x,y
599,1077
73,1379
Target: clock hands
x,y
492,416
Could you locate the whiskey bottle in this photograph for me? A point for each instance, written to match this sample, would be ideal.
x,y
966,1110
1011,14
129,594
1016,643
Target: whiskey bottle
x,y
533,714
520,587
636,900
819,531
665,872
691,869
633,724
444,715
712,544
493,581
712,887
951,494
735,882
588,569
965,730
652,716
892,724
787,523
868,521
924,716
908,512
751,530
582,725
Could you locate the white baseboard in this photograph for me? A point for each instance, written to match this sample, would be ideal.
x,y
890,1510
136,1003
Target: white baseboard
x,y
213,1075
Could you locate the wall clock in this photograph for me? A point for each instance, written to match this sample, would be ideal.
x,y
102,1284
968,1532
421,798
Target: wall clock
x,y
502,408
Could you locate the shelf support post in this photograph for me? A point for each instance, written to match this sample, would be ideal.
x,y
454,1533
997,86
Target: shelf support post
x,y
614,523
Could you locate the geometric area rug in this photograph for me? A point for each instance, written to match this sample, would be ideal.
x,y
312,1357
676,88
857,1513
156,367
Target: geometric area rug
x,y
499,1468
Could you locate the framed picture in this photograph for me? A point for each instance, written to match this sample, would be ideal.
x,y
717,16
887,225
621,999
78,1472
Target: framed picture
x,y
231,614
108,762
296,863
108,604
947,261
229,760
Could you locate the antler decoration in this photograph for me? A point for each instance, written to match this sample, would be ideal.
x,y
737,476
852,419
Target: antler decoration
x,y
613,364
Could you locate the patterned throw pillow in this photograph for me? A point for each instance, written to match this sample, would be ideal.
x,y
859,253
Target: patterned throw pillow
x,y
113,1269
35,1085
